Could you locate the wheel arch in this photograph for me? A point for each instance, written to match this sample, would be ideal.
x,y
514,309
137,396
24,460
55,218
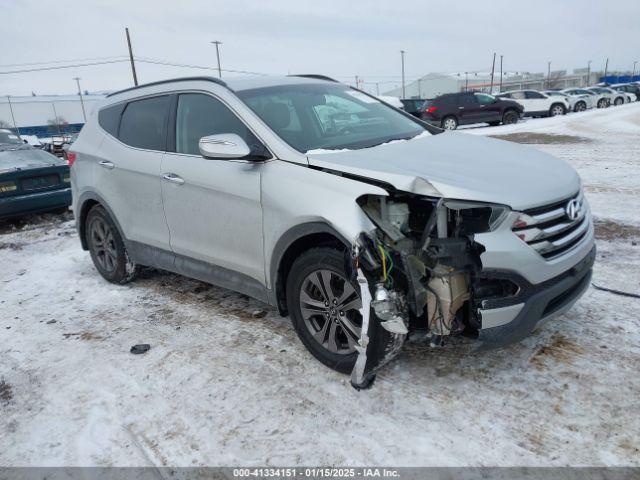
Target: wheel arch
x,y
87,201
292,244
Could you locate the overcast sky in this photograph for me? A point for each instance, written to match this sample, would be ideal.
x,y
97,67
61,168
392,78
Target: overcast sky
x,y
337,38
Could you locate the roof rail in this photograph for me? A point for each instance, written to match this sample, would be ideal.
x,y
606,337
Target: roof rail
x,y
315,76
171,80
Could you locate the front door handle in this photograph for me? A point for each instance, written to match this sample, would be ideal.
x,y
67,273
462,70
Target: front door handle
x,y
106,164
173,178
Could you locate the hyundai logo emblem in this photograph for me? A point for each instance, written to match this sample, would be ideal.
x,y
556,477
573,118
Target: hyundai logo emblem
x,y
573,209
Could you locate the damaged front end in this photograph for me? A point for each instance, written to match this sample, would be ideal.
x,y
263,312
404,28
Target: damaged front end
x,y
417,271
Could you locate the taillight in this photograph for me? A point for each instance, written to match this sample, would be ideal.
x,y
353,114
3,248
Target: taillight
x,y
71,157
431,109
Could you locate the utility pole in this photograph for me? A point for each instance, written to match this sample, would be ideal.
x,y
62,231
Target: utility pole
x,y
634,70
15,125
55,115
500,74
217,44
493,69
606,67
84,115
133,65
548,74
419,88
403,88
377,88
466,81
357,82
588,74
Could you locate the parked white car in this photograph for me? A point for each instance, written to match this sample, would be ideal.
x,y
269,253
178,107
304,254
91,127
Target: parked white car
x,y
599,100
607,94
538,104
618,97
577,103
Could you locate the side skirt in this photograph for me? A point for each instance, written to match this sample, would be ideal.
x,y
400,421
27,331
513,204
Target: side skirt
x,y
197,269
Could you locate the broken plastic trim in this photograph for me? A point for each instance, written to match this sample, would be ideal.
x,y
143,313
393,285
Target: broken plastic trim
x,y
359,377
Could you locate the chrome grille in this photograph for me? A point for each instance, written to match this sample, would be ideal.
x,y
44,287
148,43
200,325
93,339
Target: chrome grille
x,y
550,231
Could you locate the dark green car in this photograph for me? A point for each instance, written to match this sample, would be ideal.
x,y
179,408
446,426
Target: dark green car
x,y
31,180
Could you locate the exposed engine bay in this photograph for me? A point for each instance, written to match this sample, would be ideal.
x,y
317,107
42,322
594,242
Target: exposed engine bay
x,y
417,271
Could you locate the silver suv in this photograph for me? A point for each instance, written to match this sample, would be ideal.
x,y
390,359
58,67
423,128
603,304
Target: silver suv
x,y
359,221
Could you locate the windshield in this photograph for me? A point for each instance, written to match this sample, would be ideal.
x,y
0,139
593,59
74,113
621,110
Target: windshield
x,y
8,137
328,116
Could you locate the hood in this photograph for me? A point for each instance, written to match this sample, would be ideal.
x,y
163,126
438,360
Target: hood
x,y
461,166
25,157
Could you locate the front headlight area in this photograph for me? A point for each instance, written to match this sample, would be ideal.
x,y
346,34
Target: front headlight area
x,y
421,268
424,255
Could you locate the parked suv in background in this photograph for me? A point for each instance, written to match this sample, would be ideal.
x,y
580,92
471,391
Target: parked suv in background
x,y
599,100
414,106
538,104
348,215
453,109
577,103
632,88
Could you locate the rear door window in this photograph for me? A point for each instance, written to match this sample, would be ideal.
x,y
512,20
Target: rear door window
x,y
109,118
143,123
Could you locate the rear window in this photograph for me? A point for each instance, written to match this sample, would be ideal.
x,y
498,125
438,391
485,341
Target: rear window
x,y
109,118
143,123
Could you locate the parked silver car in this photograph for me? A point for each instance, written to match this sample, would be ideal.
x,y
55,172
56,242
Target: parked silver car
x,y
358,220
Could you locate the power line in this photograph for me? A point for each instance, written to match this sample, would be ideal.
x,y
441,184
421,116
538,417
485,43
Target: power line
x,y
200,67
59,67
61,61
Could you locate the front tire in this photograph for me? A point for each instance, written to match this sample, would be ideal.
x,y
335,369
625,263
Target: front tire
x,y
556,110
510,117
449,123
107,248
618,101
580,107
602,103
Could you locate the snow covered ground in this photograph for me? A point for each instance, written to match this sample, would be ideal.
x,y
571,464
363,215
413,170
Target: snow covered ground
x,y
226,381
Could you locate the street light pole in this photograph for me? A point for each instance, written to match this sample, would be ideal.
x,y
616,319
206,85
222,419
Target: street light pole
x,y
500,73
15,126
548,74
588,74
403,89
493,69
217,44
84,115
634,70
606,67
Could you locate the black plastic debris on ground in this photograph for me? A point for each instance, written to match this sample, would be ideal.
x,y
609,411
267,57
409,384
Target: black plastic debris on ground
x,y
140,348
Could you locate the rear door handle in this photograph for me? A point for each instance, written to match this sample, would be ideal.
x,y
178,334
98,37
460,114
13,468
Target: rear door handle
x,y
106,164
173,178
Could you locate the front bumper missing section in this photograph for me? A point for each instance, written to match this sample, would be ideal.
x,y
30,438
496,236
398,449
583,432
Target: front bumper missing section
x,y
536,303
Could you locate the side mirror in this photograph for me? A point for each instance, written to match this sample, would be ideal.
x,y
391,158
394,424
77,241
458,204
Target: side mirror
x,y
224,145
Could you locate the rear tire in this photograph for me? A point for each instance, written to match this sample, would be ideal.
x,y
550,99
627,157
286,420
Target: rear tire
x,y
107,248
510,117
449,123
602,103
